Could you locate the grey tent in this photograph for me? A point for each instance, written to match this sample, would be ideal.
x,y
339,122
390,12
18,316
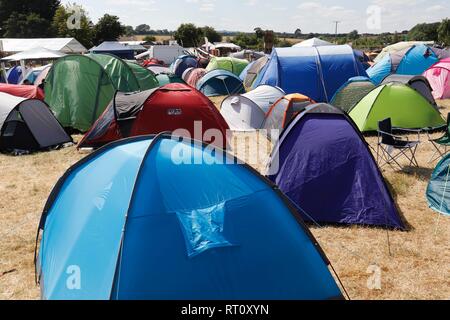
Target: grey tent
x,y
254,71
247,112
348,96
28,125
418,83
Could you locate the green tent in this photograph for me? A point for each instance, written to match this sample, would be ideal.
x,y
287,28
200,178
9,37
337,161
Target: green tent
x,y
79,87
126,76
147,80
351,93
164,79
233,65
438,191
406,107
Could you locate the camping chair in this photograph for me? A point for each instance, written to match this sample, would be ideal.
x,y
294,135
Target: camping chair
x,y
392,147
442,142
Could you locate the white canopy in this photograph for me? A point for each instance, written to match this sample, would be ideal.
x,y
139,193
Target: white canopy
x,y
313,42
66,45
219,45
35,54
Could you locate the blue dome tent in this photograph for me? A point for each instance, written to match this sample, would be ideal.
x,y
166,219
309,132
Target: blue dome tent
x,y
151,226
323,164
220,83
413,60
317,72
183,63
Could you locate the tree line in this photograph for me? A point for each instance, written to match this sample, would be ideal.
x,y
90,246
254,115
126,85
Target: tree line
x,y
49,18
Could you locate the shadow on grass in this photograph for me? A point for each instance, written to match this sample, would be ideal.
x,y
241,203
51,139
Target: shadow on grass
x,y
423,174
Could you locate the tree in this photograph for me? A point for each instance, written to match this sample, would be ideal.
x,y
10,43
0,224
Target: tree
x,y
149,39
259,33
143,29
188,35
211,34
129,31
248,41
444,32
84,34
353,35
424,32
108,28
298,33
27,18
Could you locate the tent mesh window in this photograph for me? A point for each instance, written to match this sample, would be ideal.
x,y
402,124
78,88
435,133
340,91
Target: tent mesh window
x,y
16,134
349,96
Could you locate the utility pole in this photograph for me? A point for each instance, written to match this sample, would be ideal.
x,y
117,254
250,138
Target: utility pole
x,y
336,30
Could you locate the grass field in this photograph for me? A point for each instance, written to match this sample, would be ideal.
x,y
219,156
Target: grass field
x,y
418,266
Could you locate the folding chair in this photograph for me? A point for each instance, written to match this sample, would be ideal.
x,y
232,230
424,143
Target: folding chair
x,y
392,147
442,142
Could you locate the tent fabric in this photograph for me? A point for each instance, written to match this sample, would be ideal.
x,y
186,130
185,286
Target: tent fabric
x,y
175,231
146,79
35,54
182,63
284,110
194,76
23,91
65,45
316,72
166,109
323,145
399,46
186,74
409,61
15,75
78,89
115,48
352,92
253,72
164,79
40,78
313,42
220,83
233,65
244,72
438,76
438,190
158,69
28,124
406,107
247,112
119,71
418,83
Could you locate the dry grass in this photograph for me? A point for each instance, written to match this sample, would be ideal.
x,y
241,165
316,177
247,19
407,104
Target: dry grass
x,y
418,267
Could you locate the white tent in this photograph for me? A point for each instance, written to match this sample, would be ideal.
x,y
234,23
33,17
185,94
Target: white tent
x,y
313,42
247,112
35,54
66,45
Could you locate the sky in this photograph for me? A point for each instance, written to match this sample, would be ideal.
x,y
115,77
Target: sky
x,y
373,16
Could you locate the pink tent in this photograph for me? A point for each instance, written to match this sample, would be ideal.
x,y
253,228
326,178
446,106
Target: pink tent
x,y
194,76
439,77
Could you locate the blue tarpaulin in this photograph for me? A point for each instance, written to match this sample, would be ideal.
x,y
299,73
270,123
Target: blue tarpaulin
x,y
115,48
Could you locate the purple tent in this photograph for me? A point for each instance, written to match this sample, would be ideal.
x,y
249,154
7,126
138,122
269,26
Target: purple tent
x,y
323,164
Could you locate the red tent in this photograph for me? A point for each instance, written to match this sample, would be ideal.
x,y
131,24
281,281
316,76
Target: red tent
x,y
169,108
23,91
